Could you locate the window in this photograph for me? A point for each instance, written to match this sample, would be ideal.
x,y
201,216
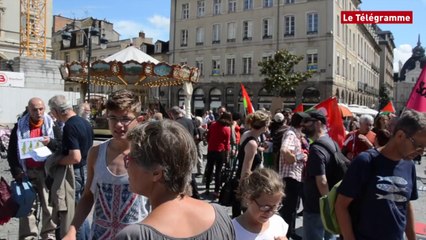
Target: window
x,y
158,48
338,65
185,11
247,30
232,6
343,67
81,55
231,32
215,67
144,48
338,25
80,37
67,57
312,23
200,65
200,8
312,61
216,7
199,38
266,58
247,65
216,33
289,1
230,66
267,28
184,38
289,26
248,4
267,3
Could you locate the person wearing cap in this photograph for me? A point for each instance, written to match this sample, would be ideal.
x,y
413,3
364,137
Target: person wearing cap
x,y
318,181
287,112
277,128
77,139
34,123
293,157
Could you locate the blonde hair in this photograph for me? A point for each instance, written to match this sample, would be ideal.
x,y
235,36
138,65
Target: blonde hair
x,y
258,119
262,180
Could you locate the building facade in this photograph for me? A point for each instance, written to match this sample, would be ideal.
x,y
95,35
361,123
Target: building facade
x,y
10,23
226,39
408,75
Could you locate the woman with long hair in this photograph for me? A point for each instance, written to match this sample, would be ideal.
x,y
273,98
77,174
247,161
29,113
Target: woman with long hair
x,y
248,159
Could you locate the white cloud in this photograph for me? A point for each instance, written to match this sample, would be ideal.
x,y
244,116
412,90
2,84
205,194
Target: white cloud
x,y
161,22
401,53
157,28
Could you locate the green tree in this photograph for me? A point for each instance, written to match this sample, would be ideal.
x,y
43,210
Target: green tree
x,y
279,73
383,97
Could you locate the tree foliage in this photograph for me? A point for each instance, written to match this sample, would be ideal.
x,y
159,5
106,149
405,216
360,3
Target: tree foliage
x,y
280,77
383,97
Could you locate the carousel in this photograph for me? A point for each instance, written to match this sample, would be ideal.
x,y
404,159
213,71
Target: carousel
x,y
131,68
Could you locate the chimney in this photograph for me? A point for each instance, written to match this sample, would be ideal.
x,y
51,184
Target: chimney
x,y
141,34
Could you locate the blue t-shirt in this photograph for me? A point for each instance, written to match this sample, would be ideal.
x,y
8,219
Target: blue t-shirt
x,y
381,189
77,134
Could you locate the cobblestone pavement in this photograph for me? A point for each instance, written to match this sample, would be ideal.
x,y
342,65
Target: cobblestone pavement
x,y
10,229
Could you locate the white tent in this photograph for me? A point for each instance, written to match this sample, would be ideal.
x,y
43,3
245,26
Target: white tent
x,y
360,110
131,53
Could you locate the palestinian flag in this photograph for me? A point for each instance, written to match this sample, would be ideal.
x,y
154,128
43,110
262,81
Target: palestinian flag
x,y
246,100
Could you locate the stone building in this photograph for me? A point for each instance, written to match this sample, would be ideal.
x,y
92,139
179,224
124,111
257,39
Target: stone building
x,y
226,39
408,75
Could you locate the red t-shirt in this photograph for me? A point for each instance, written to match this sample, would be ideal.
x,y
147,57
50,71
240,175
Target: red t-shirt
x,y
29,162
218,137
355,146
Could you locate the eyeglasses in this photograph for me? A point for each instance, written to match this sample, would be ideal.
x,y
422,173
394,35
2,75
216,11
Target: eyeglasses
x,y
268,208
123,120
417,146
127,158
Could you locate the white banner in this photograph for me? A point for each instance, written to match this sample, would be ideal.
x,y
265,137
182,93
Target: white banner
x,y
12,79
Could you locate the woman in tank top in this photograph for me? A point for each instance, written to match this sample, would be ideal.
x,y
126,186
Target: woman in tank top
x,y
248,159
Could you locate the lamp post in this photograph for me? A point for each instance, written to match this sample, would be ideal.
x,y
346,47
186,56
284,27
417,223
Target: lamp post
x,y
92,32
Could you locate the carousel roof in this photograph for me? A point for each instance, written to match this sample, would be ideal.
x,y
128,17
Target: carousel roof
x,y
130,66
131,53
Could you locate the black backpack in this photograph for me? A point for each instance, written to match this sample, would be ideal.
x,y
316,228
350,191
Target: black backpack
x,y
338,163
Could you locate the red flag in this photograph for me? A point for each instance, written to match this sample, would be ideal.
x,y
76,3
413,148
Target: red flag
x,y
246,100
299,108
388,108
417,99
334,119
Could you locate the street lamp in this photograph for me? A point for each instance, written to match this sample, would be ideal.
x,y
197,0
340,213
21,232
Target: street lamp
x,y
92,32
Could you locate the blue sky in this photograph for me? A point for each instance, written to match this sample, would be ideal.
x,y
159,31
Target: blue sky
x,y
152,17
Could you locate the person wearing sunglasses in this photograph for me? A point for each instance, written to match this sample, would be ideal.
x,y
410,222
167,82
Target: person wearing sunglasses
x,y
261,192
380,185
107,187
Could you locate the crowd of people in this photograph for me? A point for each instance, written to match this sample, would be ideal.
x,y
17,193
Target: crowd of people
x,y
141,183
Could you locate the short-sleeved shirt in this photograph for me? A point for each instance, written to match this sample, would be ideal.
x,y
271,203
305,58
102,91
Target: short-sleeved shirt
x,y
354,145
221,229
381,189
78,134
317,164
277,228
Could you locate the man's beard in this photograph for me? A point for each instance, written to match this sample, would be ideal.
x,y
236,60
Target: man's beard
x,y
309,132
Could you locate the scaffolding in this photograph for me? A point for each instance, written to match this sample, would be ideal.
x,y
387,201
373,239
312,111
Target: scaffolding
x,y
33,28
